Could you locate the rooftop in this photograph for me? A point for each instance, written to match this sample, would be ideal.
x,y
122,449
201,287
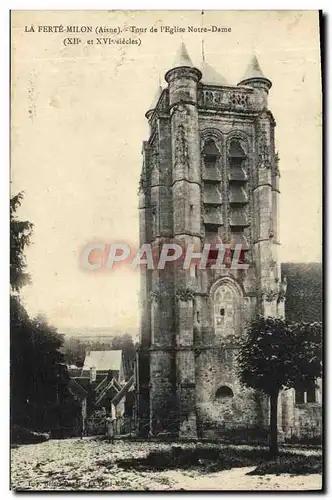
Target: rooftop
x,y
156,98
211,76
182,58
103,360
253,71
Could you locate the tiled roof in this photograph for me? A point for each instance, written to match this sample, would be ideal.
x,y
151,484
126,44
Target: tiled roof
x,y
126,388
253,70
182,58
77,390
156,98
111,386
211,76
103,360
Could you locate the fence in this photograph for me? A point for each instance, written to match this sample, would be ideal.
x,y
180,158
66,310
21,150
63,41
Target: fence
x,y
225,431
122,426
304,434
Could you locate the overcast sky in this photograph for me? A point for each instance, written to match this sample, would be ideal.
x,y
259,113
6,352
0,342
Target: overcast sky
x,y
78,124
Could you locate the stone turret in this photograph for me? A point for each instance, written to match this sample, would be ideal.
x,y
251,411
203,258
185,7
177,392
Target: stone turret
x,y
182,87
181,60
186,178
265,193
182,78
254,76
255,79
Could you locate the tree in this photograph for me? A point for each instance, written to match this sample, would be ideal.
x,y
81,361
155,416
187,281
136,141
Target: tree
x,y
304,291
20,236
74,351
20,343
276,355
38,376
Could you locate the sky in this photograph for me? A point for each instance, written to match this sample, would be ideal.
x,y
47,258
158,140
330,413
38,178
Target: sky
x,y
77,130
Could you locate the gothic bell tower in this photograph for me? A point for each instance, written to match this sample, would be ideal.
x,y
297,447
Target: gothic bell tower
x,y
210,175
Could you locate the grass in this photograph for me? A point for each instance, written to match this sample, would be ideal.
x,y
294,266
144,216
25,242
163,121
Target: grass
x,y
295,465
213,458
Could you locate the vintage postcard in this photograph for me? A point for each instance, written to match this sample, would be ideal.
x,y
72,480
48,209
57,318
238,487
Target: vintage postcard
x,y
166,250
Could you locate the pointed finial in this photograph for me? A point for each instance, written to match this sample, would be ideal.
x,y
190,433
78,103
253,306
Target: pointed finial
x,y
155,100
182,58
254,70
254,73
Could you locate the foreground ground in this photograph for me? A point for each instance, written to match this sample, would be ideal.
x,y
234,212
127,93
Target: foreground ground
x,y
94,464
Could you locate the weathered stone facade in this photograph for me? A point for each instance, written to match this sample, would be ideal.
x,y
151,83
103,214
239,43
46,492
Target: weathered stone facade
x,y
210,174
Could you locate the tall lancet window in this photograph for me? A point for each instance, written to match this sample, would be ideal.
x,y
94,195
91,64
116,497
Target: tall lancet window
x,y
236,152
238,194
210,154
212,192
226,303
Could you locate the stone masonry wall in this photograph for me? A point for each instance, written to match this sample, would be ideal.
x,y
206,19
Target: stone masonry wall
x,y
189,363
216,368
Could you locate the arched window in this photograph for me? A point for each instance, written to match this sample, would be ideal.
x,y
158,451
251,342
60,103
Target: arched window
x,y
238,191
210,153
224,392
212,192
226,302
237,157
236,153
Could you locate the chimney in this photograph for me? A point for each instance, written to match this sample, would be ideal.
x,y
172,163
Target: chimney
x,y
93,374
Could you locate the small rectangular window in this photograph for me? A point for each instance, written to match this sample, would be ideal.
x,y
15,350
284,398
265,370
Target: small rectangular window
x,y
311,392
306,393
299,396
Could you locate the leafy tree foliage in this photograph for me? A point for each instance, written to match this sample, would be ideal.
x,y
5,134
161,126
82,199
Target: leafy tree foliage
x,y
304,296
20,235
38,375
276,355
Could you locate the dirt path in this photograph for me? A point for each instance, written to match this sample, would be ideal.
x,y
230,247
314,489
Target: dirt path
x,y
89,464
236,479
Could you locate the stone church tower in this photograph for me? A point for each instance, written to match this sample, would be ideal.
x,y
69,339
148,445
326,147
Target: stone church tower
x,y
210,175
